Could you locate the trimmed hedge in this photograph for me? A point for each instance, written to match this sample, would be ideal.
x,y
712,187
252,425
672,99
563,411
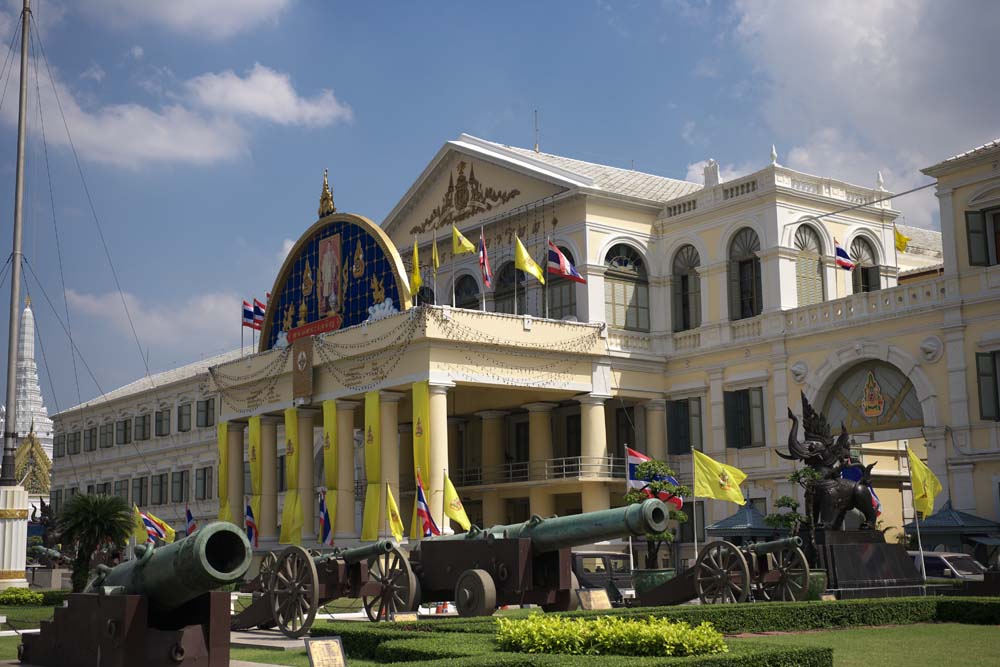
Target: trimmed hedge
x,y
20,597
54,597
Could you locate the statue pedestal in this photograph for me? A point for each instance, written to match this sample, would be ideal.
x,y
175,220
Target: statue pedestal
x,y
860,564
13,536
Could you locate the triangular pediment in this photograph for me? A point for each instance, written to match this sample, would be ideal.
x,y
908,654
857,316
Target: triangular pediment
x,y
467,186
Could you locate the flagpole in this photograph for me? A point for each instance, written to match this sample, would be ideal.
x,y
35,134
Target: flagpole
x,y
545,287
916,522
694,503
444,475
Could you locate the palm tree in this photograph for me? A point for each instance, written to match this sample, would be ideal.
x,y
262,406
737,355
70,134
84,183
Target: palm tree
x,y
90,521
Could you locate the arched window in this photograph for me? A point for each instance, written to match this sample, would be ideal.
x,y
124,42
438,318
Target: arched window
x,y
686,289
561,292
425,296
503,295
467,293
866,272
808,266
626,289
745,295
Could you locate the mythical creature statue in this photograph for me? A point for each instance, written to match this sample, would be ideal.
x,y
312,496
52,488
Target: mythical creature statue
x,y
50,535
842,484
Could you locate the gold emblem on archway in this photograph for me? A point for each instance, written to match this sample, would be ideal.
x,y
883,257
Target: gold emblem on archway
x,y
358,268
872,403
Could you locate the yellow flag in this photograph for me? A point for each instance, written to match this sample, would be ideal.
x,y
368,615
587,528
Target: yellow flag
x,y
256,466
291,514
395,521
924,482
225,512
435,260
459,244
717,480
421,443
453,505
523,261
139,528
901,240
373,466
330,458
142,535
168,532
416,282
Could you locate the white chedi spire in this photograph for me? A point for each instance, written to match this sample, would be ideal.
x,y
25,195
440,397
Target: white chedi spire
x,y
31,412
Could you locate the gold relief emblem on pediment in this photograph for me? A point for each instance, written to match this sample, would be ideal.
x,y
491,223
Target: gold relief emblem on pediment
x,y
465,197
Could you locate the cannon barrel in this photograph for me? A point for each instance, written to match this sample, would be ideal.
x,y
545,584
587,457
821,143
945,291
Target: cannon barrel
x,y
557,532
358,554
776,545
215,555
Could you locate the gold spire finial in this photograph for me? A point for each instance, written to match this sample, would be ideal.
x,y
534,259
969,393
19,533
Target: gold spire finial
x,y
326,206
27,301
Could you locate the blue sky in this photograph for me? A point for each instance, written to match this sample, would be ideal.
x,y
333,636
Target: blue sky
x,y
203,126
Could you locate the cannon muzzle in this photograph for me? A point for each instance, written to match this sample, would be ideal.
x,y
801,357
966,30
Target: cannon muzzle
x,y
776,545
358,554
215,555
572,531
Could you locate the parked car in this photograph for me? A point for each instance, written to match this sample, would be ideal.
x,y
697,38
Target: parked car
x,y
949,565
605,569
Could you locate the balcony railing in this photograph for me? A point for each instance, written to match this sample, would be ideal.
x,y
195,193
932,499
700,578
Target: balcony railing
x,y
866,306
568,467
629,341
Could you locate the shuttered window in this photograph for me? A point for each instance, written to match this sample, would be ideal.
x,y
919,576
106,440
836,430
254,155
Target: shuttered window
x,y
684,425
745,294
626,289
744,418
982,232
503,296
808,266
686,297
989,385
866,275
561,292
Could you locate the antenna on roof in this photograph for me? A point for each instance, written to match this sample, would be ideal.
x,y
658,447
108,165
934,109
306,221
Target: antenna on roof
x,y
536,130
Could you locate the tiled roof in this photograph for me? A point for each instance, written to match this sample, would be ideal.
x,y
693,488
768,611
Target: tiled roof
x,y
747,521
950,520
157,380
922,241
625,182
985,148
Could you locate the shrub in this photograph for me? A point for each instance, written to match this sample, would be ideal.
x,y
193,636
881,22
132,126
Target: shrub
x,y
20,597
53,597
608,636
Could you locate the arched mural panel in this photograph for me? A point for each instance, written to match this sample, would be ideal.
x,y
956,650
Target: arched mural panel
x,y
873,396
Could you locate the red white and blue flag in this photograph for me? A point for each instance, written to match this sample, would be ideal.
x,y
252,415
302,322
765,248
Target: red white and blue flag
x,y
636,482
191,526
258,314
844,260
854,474
559,265
484,262
155,529
424,512
251,526
247,314
325,525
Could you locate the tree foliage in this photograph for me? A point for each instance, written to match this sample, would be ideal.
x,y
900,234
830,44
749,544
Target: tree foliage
x,y
657,471
89,522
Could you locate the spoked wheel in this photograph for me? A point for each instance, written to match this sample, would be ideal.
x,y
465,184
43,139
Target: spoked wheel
x,y
294,592
787,578
722,574
397,586
266,570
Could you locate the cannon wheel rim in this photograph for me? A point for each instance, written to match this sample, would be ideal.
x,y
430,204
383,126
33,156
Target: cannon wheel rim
x,y
722,574
266,570
792,581
294,591
397,586
475,594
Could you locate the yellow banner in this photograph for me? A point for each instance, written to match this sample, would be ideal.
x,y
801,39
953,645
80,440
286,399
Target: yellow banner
x,y
925,484
225,513
256,466
523,261
373,466
416,282
453,505
421,443
459,244
717,480
330,459
291,515
392,510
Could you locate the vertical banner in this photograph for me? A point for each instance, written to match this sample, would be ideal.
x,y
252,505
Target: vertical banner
x,y
421,443
256,467
373,466
291,514
225,513
330,459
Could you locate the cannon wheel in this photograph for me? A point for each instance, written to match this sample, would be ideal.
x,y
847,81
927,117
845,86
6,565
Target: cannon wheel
x,y
294,591
788,579
266,570
722,574
397,586
476,594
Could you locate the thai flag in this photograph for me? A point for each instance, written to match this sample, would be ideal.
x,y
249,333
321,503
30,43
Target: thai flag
x,y
854,474
325,525
424,512
258,314
191,525
247,314
560,266
154,528
251,526
844,260
484,262
635,482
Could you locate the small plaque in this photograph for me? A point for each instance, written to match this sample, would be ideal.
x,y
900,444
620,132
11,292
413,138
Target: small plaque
x,y
325,652
828,597
405,617
593,598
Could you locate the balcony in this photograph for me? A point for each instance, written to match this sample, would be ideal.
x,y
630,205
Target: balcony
x,y
634,342
568,467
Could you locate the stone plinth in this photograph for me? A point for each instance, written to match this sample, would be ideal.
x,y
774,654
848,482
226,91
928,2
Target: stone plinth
x,y
13,536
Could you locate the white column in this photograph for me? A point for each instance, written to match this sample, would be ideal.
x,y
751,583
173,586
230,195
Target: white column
x,y
656,435
307,478
389,450
345,527
593,428
493,509
13,536
541,500
439,449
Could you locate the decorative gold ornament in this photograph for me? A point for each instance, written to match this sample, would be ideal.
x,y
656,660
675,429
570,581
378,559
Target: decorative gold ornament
x,y
287,321
378,291
32,464
11,574
358,268
873,403
326,206
464,198
307,280
13,514
303,313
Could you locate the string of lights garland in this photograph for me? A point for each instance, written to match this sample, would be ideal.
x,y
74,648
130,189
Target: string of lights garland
x,y
462,331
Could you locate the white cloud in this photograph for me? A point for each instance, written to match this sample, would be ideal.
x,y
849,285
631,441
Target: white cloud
x,y
266,93
217,19
94,72
727,172
688,132
858,86
136,52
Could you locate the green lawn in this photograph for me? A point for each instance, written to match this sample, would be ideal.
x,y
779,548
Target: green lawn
x,y
25,617
931,644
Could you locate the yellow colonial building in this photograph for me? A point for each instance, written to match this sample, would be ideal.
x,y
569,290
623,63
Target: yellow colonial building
x,y
707,308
